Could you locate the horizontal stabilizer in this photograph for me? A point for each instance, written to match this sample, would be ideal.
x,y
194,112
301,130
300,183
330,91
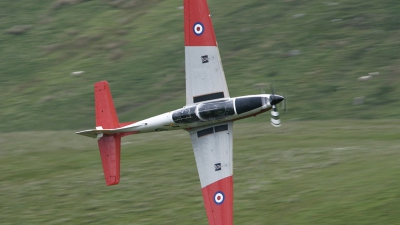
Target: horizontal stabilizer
x,y
98,133
109,132
90,133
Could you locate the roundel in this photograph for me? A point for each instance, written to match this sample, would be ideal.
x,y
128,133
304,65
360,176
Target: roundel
x,y
198,28
219,197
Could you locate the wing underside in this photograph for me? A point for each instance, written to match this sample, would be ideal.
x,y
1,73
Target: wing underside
x,y
205,78
212,146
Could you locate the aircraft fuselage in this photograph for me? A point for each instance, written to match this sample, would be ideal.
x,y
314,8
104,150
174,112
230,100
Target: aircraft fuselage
x,y
203,114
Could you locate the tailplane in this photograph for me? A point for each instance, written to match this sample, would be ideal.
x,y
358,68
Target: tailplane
x,y
108,133
109,144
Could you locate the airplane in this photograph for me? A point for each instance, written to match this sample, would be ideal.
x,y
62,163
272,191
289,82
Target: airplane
x,y
208,116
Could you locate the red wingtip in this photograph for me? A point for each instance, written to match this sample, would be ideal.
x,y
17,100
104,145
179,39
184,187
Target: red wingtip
x,y
218,201
199,30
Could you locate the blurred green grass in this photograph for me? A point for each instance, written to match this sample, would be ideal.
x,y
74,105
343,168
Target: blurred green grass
x,y
332,162
306,172
313,51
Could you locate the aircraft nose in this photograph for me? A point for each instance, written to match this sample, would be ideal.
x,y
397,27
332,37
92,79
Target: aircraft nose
x,y
275,99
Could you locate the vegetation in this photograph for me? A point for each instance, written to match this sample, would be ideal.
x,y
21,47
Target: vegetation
x,y
334,160
332,172
313,51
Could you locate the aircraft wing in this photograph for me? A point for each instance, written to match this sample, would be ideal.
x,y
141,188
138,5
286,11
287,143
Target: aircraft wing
x,y
205,78
212,146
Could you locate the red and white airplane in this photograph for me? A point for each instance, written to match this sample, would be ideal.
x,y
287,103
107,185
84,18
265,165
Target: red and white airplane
x,y
208,116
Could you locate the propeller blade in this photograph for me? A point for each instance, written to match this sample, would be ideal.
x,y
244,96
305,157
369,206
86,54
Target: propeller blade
x,y
285,107
274,100
263,99
275,121
272,89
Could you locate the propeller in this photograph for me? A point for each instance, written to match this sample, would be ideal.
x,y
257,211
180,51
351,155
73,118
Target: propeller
x,y
284,105
274,100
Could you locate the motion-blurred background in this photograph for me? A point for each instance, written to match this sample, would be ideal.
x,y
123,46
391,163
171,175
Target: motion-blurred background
x,y
334,160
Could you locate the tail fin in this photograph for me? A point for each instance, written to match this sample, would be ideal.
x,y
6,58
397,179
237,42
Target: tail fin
x,y
108,133
110,152
109,144
106,116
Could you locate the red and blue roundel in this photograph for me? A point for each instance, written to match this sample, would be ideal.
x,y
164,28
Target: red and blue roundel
x,y
198,28
219,197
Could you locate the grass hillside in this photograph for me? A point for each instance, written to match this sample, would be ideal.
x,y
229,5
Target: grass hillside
x,y
342,168
313,50
307,172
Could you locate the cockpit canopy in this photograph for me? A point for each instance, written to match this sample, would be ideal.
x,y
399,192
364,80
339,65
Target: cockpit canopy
x,y
216,110
185,116
206,111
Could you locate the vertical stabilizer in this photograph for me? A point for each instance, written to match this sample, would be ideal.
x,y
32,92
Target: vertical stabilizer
x,y
109,145
106,116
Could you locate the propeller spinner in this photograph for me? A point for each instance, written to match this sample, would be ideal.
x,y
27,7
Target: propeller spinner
x,y
274,100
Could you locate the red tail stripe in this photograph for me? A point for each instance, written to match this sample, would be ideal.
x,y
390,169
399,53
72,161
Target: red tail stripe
x,y
109,145
106,116
110,152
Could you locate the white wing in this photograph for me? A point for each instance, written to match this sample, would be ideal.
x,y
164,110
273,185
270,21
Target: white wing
x,y
205,78
212,146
